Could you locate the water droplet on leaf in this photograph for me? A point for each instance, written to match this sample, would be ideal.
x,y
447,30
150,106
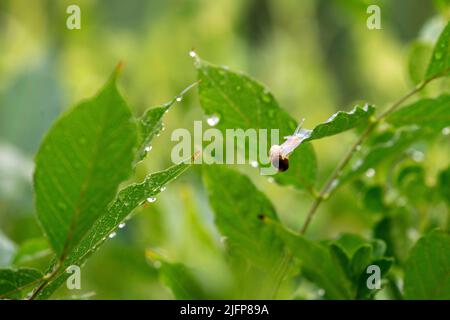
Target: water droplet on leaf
x,y
151,199
213,120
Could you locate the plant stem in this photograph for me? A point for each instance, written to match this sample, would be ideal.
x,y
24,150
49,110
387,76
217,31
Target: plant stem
x,y
328,187
330,183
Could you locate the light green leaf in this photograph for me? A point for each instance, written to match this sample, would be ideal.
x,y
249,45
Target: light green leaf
x,y
318,263
342,121
419,57
372,156
7,250
31,250
433,113
16,283
79,165
118,211
440,60
427,270
238,101
238,208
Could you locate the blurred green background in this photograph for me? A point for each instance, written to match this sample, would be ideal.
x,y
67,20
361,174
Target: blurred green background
x,y
316,56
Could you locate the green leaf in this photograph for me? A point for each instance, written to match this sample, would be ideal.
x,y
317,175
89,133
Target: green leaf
x,y
427,271
361,259
433,113
150,124
238,207
444,184
318,263
16,283
32,249
419,57
126,201
342,121
241,102
372,156
180,279
374,199
79,165
440,60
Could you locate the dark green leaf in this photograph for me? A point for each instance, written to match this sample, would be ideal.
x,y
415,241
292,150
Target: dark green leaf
x,y
17,283
318,264
238,101
433,113
440,60
239,208
79,165
427,271
444,184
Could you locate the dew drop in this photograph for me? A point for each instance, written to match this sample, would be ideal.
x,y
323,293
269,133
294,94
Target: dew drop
x,y
418,156
148,148
446,131
179,99
254,163
370,173
162,189
192,54
112,235
151,199
122,225
213,120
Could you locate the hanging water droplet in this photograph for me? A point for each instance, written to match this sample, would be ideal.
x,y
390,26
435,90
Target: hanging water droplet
x,y
112,235
148,148
151,199
162,189
122,225
213,120
446,131
370,173
179,99
254,163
